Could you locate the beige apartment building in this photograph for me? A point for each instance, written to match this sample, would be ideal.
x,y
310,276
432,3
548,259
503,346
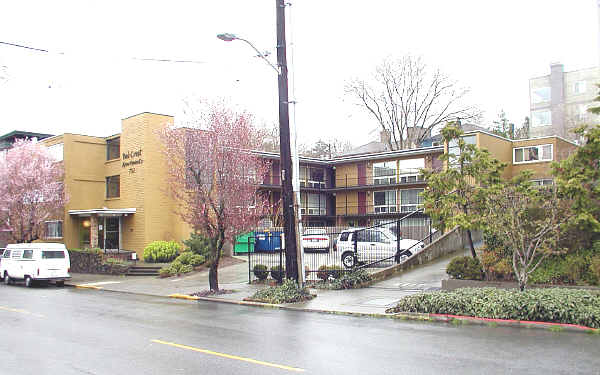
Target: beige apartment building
x,y
117,198
116,188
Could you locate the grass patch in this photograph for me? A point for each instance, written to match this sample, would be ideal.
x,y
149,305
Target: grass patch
x,y
557,305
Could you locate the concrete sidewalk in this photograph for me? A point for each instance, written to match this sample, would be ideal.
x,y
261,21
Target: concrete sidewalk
x,y
371,300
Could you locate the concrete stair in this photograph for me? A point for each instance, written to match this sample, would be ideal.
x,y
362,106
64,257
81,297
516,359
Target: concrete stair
x,y
143,271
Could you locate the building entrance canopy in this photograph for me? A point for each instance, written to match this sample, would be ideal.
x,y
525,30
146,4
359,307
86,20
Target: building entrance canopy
x,y
104,227
103,212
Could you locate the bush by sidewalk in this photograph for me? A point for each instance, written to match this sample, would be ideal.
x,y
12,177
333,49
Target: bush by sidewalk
x,y
288,292
545,305
345,280
161,251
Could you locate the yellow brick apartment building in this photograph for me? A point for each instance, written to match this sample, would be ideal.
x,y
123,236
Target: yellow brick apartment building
x,y
117,196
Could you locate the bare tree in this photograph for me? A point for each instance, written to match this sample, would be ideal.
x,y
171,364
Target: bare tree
x,y
325,148
530,221
408,100
270,138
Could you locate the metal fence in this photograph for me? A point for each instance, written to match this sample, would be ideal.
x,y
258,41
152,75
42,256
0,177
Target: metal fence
x,y
388,242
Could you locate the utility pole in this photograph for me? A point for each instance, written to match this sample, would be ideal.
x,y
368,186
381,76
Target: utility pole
x,y
287,193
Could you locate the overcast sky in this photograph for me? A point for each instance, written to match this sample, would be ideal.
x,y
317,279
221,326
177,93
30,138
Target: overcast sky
x,y
92,77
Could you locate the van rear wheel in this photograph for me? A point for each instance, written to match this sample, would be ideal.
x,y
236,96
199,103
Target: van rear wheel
x,y
28,281
6,278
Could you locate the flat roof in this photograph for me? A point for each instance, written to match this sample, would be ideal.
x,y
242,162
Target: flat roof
x,y
22,133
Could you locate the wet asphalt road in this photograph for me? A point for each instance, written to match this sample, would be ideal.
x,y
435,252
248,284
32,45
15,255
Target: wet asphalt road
x,y
48,330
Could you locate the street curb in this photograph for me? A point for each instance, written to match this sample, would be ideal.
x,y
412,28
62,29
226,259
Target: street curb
x,y
461,319
183,296
85,286
423,317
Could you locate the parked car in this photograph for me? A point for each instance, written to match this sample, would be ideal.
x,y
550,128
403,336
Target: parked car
x,y
374,244
35,262
315,239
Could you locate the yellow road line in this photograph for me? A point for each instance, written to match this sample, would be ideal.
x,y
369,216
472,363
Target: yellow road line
x,y
229,356
21,311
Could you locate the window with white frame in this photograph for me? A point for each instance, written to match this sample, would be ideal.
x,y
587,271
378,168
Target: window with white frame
x,y
312,177
410,199
384,201
540,95
57,151
541,118
543,182
454,149
532,154
384,173
409,170
581,113
54,229
313,204
579,87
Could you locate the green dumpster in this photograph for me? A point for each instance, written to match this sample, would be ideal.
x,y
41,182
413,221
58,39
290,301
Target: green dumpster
x,y
242,241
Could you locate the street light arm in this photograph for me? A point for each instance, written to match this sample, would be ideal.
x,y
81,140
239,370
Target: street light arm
x,y
229,37
260,54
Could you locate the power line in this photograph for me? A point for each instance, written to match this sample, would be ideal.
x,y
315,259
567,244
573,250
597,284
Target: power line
x,y
168,60
26,47
132,58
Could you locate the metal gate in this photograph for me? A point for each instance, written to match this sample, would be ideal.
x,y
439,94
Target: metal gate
x,y
385,243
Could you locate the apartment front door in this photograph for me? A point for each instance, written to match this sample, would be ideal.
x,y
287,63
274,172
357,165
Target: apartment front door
x,y
109,232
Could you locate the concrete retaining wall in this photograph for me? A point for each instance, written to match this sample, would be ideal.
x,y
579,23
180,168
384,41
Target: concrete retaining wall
x,y
449,243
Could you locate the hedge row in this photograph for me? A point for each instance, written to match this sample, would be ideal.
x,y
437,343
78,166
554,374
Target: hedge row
x,y
546,305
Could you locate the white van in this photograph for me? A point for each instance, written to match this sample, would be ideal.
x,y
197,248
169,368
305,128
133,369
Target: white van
x,y
35,262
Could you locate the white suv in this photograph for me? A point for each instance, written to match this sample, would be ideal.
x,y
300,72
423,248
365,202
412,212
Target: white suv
x,y
374,244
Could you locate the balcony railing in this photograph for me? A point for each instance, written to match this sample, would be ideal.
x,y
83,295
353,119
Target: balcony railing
x,y
353,209
275,180
401,178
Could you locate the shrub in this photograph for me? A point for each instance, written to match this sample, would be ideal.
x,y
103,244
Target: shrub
x,y
288,292
547,304
93,250
349,280
176,268
197,244
575,268
161,251
335,271
277,273
466,268
114,261
190,258
260,271
322,273
595,268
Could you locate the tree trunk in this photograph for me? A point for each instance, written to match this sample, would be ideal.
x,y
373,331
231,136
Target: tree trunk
x,y
213,273
470,238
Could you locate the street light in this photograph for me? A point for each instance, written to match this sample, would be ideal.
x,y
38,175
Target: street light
x,y
290,223
228,37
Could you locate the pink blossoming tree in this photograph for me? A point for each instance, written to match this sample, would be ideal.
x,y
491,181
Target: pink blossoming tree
x,y
214,177
31,192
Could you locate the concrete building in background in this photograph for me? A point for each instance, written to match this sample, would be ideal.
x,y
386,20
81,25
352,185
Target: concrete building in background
x,y
559,101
